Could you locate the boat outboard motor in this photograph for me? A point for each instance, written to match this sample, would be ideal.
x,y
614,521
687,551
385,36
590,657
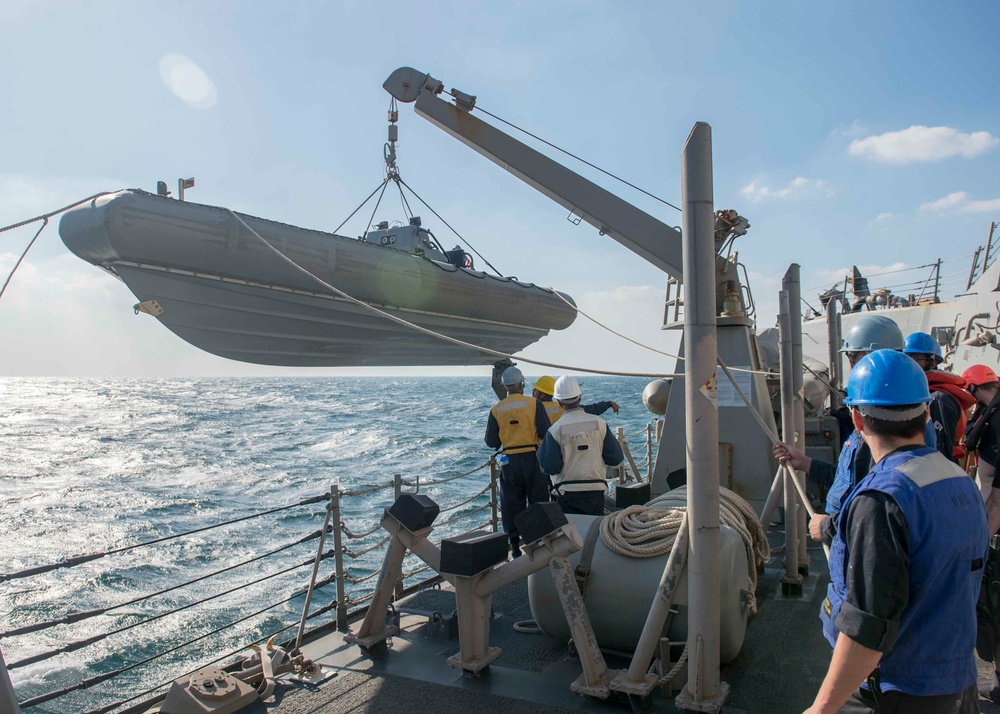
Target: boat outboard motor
x,y
459,258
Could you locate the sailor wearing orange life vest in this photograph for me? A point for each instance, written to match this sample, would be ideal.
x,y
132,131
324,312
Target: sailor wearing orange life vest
x,y
543,388
517,424
949,402
575,451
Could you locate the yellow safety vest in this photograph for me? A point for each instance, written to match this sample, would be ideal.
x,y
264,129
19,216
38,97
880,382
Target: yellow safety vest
x,y
516,417
554,410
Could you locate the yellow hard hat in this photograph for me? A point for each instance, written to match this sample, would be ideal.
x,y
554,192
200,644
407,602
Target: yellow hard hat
x,y
545,385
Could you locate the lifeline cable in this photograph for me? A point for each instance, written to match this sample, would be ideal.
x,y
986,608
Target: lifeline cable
x,y
86,615
78,560
87,683
320,611
432,333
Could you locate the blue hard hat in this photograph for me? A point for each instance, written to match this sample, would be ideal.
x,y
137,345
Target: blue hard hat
x,y
873,332
887,378
511,376
922,343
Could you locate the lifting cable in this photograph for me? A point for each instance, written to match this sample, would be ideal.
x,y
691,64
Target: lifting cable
x,y
571,155
78,560
432,333
371,221
44,218
438,216
377,188
409,212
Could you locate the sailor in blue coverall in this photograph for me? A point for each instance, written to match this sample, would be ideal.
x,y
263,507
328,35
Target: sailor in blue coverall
x,y
906,560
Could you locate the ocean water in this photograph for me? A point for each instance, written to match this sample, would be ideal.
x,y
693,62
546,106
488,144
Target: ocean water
x,y
89,466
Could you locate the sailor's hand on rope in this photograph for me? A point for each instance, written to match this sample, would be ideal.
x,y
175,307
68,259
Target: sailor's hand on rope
x,y
816,528
614,407
786,453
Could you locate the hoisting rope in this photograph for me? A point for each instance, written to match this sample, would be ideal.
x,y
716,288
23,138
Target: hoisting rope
x,y
44,218
574,156
645,346
649,531
432,333
78,560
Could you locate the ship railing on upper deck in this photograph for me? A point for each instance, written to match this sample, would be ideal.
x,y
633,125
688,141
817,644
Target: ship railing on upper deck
x,y
916,285
631,469
345,591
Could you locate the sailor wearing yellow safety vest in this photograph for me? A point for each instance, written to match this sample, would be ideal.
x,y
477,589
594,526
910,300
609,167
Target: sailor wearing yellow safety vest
x,y
575,451
517,423
543,388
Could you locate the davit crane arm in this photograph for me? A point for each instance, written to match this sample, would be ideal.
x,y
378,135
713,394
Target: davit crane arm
x,y
638,231
641,233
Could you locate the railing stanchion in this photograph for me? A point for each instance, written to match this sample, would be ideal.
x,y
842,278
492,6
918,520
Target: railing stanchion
x,y
8,700
338,557
494,495
397,491
620,436
649,452
315,571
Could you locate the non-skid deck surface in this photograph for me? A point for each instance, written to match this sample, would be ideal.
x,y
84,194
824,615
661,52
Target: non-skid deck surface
x,y
778,671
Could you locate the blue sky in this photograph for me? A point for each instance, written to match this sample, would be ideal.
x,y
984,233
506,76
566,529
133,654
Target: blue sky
x,y
848,133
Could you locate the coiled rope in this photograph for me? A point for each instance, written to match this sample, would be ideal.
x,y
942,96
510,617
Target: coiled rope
x,y
649,531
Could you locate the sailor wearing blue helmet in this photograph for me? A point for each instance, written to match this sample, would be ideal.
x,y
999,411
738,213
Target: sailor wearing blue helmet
x,y
869,333
906,561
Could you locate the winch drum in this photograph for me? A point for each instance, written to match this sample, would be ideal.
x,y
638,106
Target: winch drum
x,y
620,590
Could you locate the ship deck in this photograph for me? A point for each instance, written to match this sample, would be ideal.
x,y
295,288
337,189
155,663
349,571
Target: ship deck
x,y
778,670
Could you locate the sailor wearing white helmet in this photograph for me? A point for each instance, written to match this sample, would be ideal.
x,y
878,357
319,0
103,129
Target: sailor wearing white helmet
x,y
575,451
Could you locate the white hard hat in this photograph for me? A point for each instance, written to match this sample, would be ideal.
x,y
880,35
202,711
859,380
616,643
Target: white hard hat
x,y
511,376
567,389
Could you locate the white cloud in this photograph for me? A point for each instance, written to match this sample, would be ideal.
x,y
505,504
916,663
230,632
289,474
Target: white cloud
x,y
853,129
958,202
188,82
885,216
798,188
923,143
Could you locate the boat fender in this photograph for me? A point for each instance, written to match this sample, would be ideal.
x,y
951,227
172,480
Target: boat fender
x,y
587,556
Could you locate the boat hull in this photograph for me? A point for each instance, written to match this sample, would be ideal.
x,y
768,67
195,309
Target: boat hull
x,y
222,289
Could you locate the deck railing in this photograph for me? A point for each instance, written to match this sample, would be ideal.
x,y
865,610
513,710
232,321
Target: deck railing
x,y
343,590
